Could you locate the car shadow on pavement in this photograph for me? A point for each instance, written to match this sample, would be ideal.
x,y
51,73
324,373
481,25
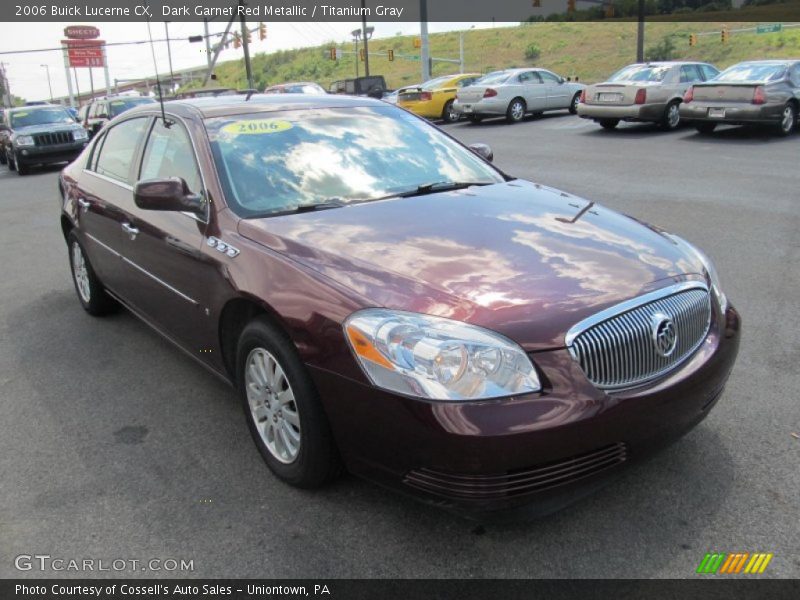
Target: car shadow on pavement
x,y
743,136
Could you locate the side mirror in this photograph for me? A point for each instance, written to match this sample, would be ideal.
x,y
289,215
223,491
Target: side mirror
x,y
561,80
167,194
482,150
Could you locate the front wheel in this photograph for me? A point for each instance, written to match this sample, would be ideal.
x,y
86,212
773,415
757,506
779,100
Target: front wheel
x,y
282,408
449,114
672,117
22,168
705,128
788,120
3,159
92,296
516,110
573,106
608,123
11,164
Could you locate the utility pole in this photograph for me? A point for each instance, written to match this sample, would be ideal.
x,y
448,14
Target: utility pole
x,y
640,34
366,37
208,43
77,85
356,33
247,67
169,57
461,51
217,51
424,56
49,85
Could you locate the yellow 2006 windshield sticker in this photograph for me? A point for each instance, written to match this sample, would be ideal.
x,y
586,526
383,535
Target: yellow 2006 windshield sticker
x,y
256,127
21,114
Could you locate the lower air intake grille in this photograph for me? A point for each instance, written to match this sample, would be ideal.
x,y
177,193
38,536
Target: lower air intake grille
x,y
518,482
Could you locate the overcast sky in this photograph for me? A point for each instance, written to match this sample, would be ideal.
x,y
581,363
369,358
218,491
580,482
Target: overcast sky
x,y
28,79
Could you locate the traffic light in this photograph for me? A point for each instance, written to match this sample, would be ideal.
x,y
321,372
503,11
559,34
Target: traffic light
x,y
570,6
725,35
417,43
362,54
693,39
332,51
390,54
237,41
247,32
262,31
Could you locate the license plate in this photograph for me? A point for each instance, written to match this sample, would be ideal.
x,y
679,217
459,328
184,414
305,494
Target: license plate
x,y
716,113
609,97
466,108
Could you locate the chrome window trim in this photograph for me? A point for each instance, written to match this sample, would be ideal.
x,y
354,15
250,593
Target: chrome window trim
x,y
122,184
627,305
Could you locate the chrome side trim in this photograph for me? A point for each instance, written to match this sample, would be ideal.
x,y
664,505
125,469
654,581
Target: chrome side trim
x,y
99,243
161,281
627,305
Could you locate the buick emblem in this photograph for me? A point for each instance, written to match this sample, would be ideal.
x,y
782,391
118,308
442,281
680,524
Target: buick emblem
x,y
662,330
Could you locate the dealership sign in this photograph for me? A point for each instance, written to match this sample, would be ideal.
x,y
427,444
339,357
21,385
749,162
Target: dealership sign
x,y
85,53
81,32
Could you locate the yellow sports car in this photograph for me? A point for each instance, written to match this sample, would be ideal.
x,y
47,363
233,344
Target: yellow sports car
x,y
434,98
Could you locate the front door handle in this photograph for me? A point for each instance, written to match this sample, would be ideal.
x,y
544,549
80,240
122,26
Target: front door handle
x,y
84,204
130,230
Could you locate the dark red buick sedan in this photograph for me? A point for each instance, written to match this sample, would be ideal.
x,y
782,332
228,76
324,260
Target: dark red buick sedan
x,y
386,301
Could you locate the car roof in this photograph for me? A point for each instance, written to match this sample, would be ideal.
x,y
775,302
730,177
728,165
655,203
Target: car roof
x,y
218,106
773,61
34,107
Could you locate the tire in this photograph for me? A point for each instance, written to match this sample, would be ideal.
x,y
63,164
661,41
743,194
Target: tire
x,y
3,158
448,114
475,119
672,117
573,106
608,123
788,120
705,128
91,294
11,164
22,168
516,110
273,383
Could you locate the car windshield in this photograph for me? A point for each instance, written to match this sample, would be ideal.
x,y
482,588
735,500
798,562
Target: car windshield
x,y
752,72
283,161
117,107
39,116
304,88
493,78
641,73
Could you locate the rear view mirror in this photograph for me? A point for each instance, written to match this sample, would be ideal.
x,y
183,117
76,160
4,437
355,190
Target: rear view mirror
x,y
167,194
482,150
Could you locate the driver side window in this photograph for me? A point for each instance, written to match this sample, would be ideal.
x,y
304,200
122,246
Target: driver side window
x,y
169,153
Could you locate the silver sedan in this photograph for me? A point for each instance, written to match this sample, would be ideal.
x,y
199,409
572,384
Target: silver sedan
x,y
513,93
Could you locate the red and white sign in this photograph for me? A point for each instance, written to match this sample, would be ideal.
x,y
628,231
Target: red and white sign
x,y
85,53
81,32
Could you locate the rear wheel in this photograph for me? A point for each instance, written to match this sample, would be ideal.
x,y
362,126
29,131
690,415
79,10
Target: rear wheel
x,y
92,296
516,110
672,117
788,120
475,118
450,115
11,164
573,107
608,123
282,408
704,127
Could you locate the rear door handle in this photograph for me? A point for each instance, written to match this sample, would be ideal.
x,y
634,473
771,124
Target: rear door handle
x,y
130,230
84,204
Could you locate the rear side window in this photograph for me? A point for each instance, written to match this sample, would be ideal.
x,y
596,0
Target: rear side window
x,y
118,149
796,74
169,153
549,77
690,74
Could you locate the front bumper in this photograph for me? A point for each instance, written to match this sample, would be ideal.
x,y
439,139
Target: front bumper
x,y
39,155
533,453
734,112
485,106
629,112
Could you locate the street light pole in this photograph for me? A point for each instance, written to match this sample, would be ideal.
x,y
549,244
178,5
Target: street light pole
x,y
366,36
47,68
356,33
169,57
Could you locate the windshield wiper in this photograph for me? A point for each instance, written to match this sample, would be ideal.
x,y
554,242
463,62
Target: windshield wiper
x,y
329,203
440,186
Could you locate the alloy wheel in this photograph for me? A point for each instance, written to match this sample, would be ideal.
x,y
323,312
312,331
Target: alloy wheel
x,y
81,273
787,120
272,405
517,110
673,116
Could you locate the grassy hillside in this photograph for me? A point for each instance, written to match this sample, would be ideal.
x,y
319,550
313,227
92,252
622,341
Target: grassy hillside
x,y
590,51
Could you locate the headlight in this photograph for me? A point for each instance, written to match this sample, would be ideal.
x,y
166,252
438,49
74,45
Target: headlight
x,y
436,358
80,134
716,289
24,140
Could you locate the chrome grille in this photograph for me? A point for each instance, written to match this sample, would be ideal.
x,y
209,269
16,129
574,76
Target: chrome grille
x,y
51,139
616,348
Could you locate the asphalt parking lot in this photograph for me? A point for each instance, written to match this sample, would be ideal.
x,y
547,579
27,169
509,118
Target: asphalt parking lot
x,y
113,444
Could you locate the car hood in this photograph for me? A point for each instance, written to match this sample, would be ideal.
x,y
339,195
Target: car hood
x,y
46,128
519,258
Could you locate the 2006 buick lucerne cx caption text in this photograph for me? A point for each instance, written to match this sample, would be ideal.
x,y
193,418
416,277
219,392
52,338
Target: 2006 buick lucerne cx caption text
x,y
387,301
